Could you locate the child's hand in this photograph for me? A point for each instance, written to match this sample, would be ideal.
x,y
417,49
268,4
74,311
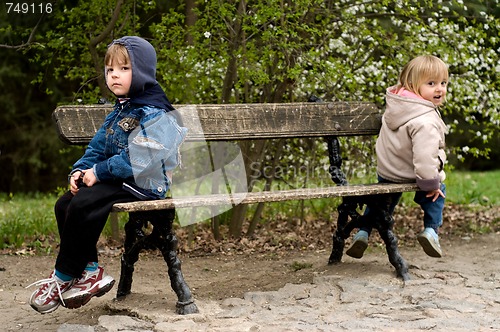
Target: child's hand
x,y
89,178
74,181
82,178
435,194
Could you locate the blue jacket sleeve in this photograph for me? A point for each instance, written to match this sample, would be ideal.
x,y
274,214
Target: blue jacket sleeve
x,y
107,160
94,152
116,167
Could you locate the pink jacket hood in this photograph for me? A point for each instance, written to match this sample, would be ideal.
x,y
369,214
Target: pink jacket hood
x,y
401,109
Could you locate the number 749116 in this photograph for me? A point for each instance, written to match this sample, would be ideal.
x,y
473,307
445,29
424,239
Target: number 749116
x,y
28,8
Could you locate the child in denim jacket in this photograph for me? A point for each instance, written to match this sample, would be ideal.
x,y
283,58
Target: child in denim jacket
x,y
410,146
130,157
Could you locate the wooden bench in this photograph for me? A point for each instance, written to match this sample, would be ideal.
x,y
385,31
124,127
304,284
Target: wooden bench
x,y
78,124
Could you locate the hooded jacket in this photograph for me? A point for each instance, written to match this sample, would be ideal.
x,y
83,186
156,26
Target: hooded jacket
x,y
410,146
138,143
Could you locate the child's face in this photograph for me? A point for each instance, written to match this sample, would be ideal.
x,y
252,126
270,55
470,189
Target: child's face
x,y
434,90
119,78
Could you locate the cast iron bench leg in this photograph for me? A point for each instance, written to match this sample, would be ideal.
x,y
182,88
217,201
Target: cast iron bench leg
x,y
345,210
384,222
378,218
161,238
134,240
168,246
391,245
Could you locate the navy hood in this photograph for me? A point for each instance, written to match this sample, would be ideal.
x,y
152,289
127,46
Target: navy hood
x,y
144,89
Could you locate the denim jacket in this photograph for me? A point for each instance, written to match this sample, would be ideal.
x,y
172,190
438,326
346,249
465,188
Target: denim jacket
x,y
138,146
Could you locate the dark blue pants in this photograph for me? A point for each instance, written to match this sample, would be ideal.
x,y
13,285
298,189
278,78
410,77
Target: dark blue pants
x,y
433,211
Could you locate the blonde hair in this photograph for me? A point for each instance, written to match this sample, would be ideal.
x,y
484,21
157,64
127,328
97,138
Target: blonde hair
x,y
116,52
419,70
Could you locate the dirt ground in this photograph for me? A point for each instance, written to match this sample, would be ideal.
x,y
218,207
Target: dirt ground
x,y
222,275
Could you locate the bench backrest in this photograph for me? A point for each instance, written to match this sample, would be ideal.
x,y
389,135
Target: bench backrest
x,y
77,124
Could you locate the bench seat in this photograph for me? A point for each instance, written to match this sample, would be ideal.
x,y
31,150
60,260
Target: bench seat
x,y
266,196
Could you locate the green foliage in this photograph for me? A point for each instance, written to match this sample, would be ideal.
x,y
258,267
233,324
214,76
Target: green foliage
x,y
474,188
278,51
297,266
78,35
46,60
468,188
27,221
242,51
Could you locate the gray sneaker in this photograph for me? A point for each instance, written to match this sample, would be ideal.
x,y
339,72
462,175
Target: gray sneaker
x,y
429,241
92,283
48,296
359,245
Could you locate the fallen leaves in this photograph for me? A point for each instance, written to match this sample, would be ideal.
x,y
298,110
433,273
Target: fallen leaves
x,y
280,235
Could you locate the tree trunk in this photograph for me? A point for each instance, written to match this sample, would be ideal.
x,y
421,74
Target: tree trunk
x,y
190,20
267,187
237,40
99,39
250,155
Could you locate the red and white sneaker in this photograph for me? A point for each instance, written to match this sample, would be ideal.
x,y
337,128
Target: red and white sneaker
x,y
92,283
48,296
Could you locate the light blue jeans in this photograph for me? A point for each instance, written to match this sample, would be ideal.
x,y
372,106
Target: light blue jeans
x,y
433,211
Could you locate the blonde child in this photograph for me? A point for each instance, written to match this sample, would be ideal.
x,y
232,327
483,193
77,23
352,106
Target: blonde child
x,y
410,146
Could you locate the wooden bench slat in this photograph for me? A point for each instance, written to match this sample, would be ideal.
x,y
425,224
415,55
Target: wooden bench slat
x,y
78,124
265,196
